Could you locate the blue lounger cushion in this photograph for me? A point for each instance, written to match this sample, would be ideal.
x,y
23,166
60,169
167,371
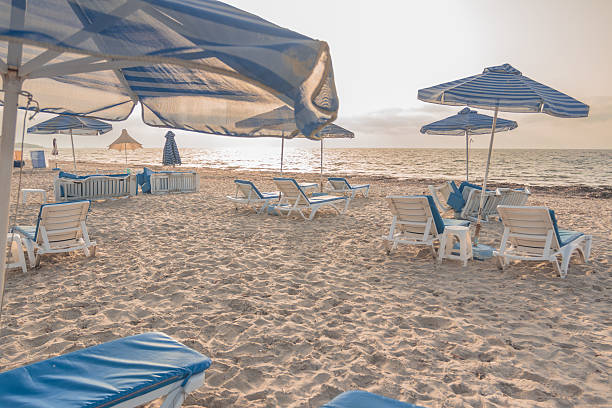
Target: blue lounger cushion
x,y
440,222
364,399
316,199
564,237
103,375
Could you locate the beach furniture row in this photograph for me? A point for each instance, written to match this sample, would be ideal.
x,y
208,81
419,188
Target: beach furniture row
x,y
293,197
465,199
530,233
127,373
71,187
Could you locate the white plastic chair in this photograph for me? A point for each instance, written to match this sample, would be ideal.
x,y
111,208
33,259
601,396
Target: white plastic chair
x,y
532,234
340,185
248,194
294,199
416,221
60,228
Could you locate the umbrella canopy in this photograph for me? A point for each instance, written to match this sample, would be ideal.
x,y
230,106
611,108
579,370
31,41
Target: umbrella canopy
x,y
172,56
503,88
200,65
506,88
171,155
466,123
71,125
125,142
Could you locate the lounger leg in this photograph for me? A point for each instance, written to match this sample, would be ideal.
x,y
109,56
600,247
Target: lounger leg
x,y
176,398
588,240
30,251
387,247
313,211
346,205
434,254
442,249
501,262
555,263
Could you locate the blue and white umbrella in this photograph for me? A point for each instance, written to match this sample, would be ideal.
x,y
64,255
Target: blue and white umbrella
x,y
71,125
467,122
503,88
198,65
280,119
171,155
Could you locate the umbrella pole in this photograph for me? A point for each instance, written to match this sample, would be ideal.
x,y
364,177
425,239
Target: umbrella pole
x,y
282,151
73,156
467,156
12,87
321,176
484,183
125,150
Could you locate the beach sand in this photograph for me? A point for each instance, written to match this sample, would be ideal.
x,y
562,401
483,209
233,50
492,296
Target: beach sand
x,y
294,312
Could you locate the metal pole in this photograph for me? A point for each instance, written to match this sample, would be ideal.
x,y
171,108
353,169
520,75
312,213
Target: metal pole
x,y
125,150
12,87
73,156
484,183
282,150
467,156
321,176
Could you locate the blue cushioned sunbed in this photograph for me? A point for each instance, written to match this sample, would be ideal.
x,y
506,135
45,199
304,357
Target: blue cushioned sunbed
x,y
365,188
364,399
104,375
261,195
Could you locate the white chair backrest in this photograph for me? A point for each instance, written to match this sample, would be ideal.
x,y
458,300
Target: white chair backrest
x,y
440,194
338,185
413,216
60,224
514,196
530,229
290,192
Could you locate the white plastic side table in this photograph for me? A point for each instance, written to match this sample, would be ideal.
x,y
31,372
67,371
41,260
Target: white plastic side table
x,y
447,250
25,192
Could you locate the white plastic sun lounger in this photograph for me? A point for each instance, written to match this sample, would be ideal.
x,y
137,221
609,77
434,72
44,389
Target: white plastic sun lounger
x,y
472,204
247,194
440,195
123,373
517,197
60,228
340,185
532,234
294,199
416,221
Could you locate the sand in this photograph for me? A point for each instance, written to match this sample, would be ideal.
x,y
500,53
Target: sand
x,y
294,312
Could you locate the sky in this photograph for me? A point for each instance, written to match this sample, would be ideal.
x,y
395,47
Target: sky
x,y
384,51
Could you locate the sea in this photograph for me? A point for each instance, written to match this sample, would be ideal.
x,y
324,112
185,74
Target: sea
x,y
541,167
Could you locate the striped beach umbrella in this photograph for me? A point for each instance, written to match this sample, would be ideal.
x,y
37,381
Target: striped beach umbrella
x,y
503,88
171,155
280,119
71,125
198,65
467,123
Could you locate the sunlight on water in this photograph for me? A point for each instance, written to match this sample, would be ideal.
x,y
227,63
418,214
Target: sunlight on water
x,y
531,167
